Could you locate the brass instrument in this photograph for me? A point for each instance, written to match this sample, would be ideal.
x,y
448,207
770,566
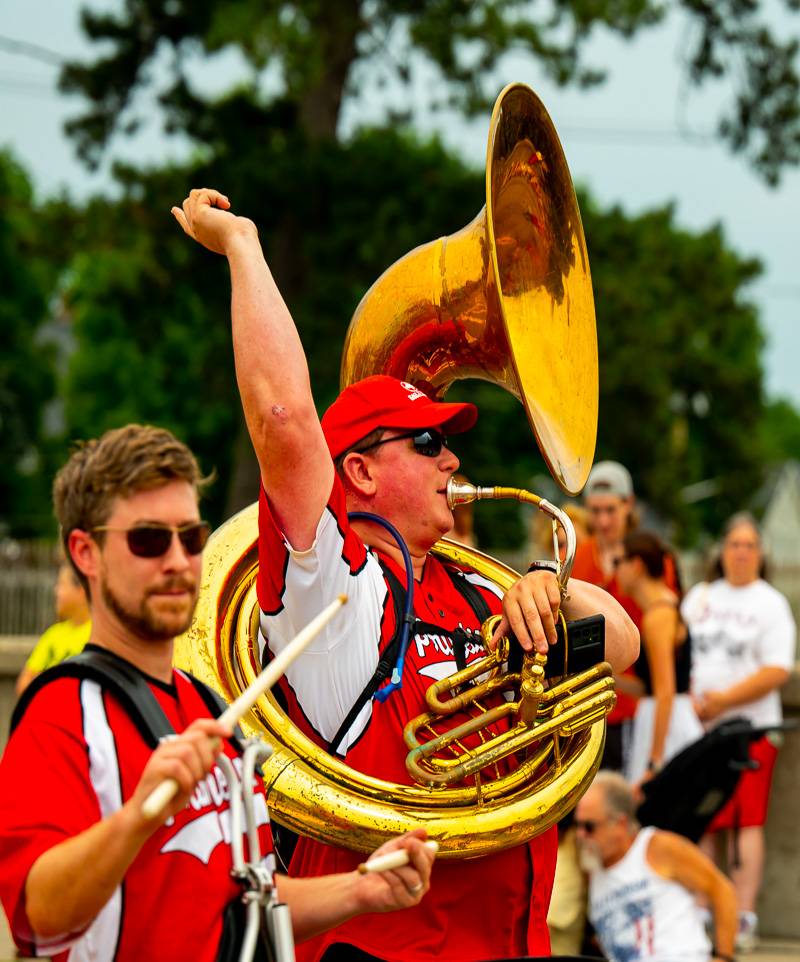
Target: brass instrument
x,y
507,299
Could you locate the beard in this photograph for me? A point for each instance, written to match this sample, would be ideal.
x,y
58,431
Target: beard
x,y
589,859
144,622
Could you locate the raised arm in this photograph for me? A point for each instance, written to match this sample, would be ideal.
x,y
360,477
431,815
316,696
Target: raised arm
x,y
271,370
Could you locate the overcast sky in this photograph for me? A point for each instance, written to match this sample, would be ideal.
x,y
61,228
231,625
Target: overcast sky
x,y
621,141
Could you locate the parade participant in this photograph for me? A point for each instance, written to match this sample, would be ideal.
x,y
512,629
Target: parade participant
x,y
84,873
67,636
665,721
743,651
381,448
643,883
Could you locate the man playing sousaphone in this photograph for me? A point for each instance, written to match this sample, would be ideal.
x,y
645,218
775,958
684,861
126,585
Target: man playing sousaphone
x,y
380,448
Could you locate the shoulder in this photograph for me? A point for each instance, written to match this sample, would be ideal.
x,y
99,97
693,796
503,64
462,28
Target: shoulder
x,y
771,596
666,850
52,700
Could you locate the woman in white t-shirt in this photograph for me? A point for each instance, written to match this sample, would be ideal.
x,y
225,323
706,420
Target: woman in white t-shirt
x,y
743,636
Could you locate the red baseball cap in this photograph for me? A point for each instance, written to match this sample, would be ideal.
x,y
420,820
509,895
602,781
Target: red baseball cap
x,y
385,402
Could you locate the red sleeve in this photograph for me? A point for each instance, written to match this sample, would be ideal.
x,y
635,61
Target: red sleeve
x,y
45,792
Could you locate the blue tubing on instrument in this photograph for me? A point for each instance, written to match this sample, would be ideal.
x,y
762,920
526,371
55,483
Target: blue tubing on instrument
x,y
408,617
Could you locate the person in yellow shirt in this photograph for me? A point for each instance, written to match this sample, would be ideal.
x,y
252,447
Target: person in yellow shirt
x,y
65,638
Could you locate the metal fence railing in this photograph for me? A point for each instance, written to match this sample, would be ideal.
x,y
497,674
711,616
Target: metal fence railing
x,y
27,577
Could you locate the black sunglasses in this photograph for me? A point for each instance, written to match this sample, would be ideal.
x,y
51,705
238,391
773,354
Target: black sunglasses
x,y
427,441
587,825
154,540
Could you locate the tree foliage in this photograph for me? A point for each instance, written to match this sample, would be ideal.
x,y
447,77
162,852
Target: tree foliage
x,y
680,372
318,53
27,362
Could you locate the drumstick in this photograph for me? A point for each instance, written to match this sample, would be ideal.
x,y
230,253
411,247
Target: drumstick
x,y
166,791
396,859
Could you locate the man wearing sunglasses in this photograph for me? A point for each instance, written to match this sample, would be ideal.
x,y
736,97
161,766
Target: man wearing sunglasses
x,y
84,874
644,882
381,449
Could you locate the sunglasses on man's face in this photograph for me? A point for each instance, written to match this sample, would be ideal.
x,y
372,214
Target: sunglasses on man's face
x,y
427,441
155,540
588,825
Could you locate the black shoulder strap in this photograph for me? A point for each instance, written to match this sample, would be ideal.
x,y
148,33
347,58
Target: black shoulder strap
x,y
126,684
466,589
387,660
216,705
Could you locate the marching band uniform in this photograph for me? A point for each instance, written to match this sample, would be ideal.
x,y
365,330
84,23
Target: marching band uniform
x,y
77,745
322,685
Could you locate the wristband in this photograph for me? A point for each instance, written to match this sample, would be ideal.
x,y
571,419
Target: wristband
x,y
551,566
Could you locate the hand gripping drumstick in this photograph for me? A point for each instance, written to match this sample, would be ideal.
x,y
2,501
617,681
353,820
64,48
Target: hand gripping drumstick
x,y
161,796
396,859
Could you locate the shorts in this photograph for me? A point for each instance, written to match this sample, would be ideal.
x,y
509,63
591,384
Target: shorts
x,y
747,807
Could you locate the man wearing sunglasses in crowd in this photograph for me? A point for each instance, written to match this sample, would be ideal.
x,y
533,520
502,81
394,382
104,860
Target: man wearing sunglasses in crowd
x,y
381,448
84,873
644,883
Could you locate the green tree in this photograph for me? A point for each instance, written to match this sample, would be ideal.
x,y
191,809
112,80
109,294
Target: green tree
x,y
317,54
27,362
780,432
680,376
151,309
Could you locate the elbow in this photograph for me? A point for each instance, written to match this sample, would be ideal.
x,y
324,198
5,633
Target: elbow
x,y
627,648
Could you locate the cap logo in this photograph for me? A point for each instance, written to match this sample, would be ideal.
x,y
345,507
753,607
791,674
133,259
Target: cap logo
x,y
414,393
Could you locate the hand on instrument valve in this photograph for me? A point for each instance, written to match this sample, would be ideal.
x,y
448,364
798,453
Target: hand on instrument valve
x,y
206,218
530,611
187,758
398,888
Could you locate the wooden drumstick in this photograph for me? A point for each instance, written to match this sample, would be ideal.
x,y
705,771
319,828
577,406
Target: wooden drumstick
x,y
161,796
396,859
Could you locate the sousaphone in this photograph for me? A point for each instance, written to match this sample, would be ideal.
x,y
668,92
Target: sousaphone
x,y
507,299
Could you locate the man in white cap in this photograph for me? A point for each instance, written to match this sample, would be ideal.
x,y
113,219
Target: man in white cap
x,y
609,500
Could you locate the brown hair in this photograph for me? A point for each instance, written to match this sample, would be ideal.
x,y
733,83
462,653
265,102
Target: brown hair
x,y
120,463
740,519
653,552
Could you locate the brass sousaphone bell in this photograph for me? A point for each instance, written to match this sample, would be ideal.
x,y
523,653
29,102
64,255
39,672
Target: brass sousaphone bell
x,y
507,299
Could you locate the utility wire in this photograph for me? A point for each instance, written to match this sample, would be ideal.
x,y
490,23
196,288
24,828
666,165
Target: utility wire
x,y
33,50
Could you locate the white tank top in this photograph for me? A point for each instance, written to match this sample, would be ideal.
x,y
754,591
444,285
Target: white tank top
x,y
639,915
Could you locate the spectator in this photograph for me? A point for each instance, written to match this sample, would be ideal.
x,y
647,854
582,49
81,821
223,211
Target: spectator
x,y
665,720
744,649
609,500
65,638
643,883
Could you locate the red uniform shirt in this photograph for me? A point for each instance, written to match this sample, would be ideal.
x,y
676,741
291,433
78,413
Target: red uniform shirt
x,y
74,758
476,909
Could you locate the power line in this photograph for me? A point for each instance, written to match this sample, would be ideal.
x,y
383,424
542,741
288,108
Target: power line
x,y
33,50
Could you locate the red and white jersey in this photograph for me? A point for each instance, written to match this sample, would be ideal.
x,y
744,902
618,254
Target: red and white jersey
x,y
75,758
322,685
